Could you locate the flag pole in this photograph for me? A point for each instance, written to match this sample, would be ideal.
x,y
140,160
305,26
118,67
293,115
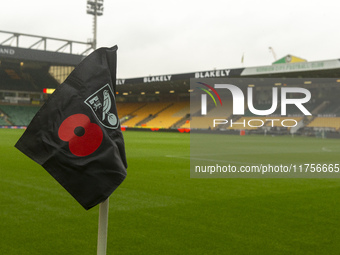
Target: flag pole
x,y
102,227
104,206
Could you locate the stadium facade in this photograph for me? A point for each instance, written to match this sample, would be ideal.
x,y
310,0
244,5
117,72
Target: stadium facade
x,y
160,101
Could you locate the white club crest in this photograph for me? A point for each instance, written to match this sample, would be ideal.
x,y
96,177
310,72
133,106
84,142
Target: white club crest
x,y
103,105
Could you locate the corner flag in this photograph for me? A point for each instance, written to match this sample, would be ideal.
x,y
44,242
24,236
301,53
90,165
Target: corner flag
x,y
76,134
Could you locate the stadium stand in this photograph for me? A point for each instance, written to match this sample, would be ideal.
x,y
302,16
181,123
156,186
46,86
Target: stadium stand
x,y
11,80
141,116
186,124
325,122
167,118
127,109
201,123
331,109
18,114
220,112
3,119
163,101
28,80
40,80
4,123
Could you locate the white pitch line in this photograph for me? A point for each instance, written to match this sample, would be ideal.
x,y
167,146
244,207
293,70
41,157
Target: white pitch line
x,y
325,149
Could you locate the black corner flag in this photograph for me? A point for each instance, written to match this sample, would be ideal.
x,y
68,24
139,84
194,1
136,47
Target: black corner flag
x,y
76,134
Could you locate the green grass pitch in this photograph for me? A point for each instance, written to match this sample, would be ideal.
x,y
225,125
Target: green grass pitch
x,y
159,209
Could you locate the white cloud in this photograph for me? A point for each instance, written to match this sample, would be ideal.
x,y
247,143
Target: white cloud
x,y
162,37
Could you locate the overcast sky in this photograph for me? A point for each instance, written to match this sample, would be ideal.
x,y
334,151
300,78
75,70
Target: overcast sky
x,y
165,37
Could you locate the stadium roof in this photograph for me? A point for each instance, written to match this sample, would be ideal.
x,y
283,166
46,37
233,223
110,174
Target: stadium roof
x,y
305,69
180,82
